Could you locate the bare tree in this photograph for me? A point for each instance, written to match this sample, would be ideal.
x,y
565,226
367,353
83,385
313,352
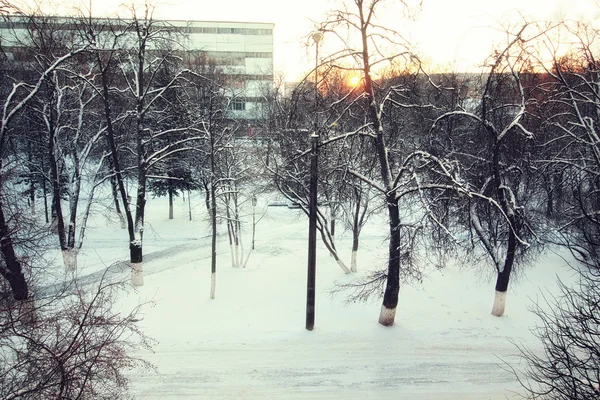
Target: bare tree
x,y
208,107
402,174
78,347
13,103
569,365
492,152
289,166
570,142
134,54
66,113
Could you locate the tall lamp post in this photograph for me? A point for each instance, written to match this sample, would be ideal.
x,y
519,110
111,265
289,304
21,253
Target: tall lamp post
x,y
312,206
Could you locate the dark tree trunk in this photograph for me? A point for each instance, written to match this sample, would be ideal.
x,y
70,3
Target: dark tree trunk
x,y
45,193
135,252
213,220
503,276
513,229
12,272
32,195
134,255
72,224
332,224
207,192
356,220
253,221
115,194
550,205
32,179
56,200
392,287
142,161
170,202
189,205
558,190
356,227
355,241
548,181
53,219
136,249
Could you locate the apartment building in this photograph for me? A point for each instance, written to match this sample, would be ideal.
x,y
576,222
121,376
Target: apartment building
x,y
242,51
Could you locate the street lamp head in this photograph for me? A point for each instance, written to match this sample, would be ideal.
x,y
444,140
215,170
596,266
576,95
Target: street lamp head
x,y
317,37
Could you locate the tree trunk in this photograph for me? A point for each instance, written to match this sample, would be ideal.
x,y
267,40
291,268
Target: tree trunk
x,y
239,250
45,193
134,252
32,195
56,200
12,270
137,270
189,205
115,194
353,261
332,222
170,203
332,250
207,192
213,218
230,236
504,276
32,180
213,252
253,222
230,230
70,254
70,259
513,229
355,230
392,287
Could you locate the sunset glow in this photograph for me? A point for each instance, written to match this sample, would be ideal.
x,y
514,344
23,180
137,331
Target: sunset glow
x,y
354,80
445,34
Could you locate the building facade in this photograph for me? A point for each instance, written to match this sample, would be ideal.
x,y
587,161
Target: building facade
x,y
242,51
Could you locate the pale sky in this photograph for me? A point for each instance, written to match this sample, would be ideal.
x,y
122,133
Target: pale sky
x,y
446,32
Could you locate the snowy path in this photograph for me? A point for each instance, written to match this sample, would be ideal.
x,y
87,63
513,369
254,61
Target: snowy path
x,y
349,370
250,342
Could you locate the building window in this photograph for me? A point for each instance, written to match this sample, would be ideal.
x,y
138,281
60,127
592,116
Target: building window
x,y
238,104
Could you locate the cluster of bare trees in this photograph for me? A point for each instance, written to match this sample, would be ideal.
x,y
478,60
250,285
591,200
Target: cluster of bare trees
x,y
90,104
489,167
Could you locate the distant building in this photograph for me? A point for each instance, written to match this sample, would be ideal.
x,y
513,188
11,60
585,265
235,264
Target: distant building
x,y
241,50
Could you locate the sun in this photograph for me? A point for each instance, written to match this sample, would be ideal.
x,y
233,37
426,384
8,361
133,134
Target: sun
x,y
354,80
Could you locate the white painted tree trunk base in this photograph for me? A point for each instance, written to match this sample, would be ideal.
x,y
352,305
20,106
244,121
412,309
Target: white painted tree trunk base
x,y
343,266
70,260
353,262
499,304
233,263
137,274
387,316
213,284
247,258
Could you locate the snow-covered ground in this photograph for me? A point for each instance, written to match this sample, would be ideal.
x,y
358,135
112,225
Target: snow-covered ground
x,y
250,342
